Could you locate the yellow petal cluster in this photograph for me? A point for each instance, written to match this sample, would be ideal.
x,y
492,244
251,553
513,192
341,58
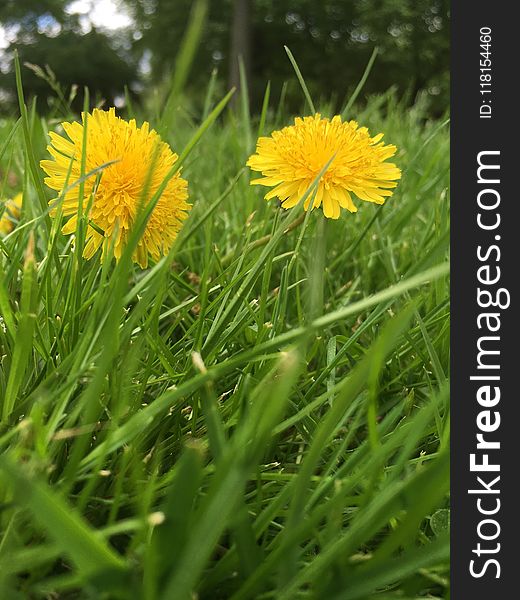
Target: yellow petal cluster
x,y
292,158
131,163
11,214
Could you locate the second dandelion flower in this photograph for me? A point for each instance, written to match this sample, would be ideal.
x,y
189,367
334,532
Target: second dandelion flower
x,y
291,159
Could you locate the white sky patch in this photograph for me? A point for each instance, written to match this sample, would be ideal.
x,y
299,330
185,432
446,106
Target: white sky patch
x,y
105,14
3,39
49,27
6,37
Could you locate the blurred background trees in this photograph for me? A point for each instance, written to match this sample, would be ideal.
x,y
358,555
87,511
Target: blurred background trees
x,y
332,41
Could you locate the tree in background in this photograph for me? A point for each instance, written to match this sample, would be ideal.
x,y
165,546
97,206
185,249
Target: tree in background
x,y
57,51
414,39
27,12
332,41
240,42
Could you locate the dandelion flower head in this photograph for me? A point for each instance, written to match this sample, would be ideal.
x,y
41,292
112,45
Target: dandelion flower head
x,y
139,162
291,159
11,214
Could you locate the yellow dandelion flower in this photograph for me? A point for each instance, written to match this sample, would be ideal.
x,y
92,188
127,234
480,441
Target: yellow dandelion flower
x,y
292,158
11,214
136,152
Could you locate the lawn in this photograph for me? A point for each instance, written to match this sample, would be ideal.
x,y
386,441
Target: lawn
x,y
263,413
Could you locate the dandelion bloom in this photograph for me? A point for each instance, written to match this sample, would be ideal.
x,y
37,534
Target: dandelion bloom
x,y
292,158
11,214
140,161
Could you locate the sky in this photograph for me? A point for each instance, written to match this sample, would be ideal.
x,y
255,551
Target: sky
x,y
107,14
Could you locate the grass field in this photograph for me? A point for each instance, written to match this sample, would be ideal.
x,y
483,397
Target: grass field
x,y
261,414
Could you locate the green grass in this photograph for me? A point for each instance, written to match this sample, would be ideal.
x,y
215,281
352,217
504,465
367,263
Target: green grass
x,y
262,414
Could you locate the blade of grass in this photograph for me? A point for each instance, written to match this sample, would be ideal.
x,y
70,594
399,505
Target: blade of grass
x,y
76,539
360,85
24,334
301,80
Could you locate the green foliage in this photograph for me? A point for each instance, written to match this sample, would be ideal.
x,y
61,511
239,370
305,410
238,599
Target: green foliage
x,y
76,61
213,425
28,11
412,38
332,41
60,59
